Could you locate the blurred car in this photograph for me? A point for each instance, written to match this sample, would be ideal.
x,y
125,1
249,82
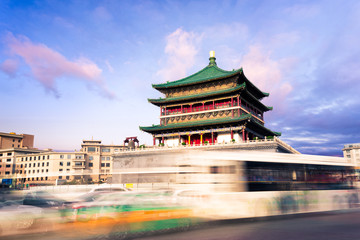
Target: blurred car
x,y
16,218
109,189
42,199
188,197
117,213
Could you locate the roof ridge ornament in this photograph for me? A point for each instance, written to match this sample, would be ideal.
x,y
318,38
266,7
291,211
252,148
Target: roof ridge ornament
x,y
212,59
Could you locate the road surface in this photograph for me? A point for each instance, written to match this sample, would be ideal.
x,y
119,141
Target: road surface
x,y
340,226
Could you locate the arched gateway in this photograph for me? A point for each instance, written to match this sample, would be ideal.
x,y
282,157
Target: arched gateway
x,y
208,107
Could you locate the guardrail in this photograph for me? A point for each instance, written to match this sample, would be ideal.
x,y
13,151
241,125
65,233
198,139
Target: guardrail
x,y
246,142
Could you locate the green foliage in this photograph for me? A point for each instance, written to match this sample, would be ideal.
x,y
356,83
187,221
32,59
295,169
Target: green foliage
x,y
233,140
183,143
142,146
161,144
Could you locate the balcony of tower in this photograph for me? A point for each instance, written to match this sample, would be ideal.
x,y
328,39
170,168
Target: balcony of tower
x,y
231,104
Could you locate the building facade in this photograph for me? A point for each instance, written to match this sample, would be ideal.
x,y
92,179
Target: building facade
x,y
49,168
352,152
12,145
208,107
91,164
13,140
8,159
99,159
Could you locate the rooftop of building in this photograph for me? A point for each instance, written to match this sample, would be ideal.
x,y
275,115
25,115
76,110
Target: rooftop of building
x,y
11,134
210,73
351,146
195,96
22,150
209,122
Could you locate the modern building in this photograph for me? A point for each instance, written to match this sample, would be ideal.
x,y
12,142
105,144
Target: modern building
x,y
91,164
12,145
13,140
352,152
49,168
210,106
8,159
98,159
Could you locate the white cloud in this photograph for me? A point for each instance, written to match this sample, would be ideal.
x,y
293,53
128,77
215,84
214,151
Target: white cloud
x,y
110,68
181,49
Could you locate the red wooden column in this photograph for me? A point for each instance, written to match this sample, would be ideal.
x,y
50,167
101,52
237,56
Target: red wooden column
x,y
212,137
243,134
232,110
239,105
162,140
232,134
154,141
161,115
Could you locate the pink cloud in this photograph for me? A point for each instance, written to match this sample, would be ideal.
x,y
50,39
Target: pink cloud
x,y
267,75
48,65
9,67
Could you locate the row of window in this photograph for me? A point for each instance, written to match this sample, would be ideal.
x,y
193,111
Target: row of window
x,y
102,158
35,158
33,171
3,154
62,163
7,166
34,165
94,149
102,164
37,178
69,156
7,160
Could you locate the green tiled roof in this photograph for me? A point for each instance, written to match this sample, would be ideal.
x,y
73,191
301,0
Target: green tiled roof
x,y
181,98
210,72
156,128
265,108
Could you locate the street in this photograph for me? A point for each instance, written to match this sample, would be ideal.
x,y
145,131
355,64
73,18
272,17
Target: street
x,y
339,225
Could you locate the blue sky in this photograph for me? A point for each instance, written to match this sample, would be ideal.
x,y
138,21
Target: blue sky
x,y
74,70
